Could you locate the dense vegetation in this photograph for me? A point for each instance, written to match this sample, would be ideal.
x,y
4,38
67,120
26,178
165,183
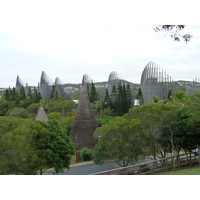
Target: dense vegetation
x,y
28,146
117,103
153,129
31,147
125,133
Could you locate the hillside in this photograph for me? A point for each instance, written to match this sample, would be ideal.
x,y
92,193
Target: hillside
x,y
100,87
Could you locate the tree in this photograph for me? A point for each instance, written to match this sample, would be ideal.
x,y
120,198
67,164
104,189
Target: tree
x,y
120,140
59,104
140,97
54,115
107,100
86,154
93,95
174,32
22,94
33,108
125,99
180,129
97,108
155,99
54,93
169,94
18,141
19,113
66,123
179,99
36,96
150,116
119,100
104,120
28,146
55,149
113,98
169,127
128,96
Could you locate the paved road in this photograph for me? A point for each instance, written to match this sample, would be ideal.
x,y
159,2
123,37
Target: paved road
x,y
87,169
91,168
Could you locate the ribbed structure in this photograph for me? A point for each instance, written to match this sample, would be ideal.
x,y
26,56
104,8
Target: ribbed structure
x,y
114,79
45,86
86,81
193,87
19,84
60,89
155,82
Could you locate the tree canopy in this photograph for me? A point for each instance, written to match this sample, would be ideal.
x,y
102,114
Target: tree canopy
x,y
120,140
30,147
174,32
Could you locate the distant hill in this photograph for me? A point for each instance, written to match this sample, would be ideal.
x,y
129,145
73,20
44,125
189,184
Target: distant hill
x,y
100,87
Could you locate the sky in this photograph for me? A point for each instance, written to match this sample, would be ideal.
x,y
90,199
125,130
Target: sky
x,y
68,39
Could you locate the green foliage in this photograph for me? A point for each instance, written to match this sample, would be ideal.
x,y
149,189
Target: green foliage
x,y
27,146
33,108
19,113
5,105
12,99
59,105
54,115
107,100
56,107
120,100
98,107
86,154
155,99
104,120
169,94
56,149
93,94
150,115
66,123
180,129
140,97
120,140
11,110
107,112
18,141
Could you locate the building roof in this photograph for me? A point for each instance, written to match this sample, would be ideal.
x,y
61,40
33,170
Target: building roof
x,y
41,115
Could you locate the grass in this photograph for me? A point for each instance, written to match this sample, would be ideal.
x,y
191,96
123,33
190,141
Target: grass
x,y
74,164
82,162
187,171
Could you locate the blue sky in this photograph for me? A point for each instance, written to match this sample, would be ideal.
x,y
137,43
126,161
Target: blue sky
x,y
68,39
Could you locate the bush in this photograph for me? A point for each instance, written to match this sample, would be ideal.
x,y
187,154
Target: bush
x,y
86,154
19,113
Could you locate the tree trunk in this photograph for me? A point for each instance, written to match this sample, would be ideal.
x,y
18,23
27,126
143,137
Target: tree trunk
x,y
199,154
173,149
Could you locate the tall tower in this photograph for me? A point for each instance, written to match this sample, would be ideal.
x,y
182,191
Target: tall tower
x,y
45,86
84,124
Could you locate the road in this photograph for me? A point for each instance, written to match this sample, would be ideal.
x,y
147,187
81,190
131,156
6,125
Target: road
x,y
86,169
91,168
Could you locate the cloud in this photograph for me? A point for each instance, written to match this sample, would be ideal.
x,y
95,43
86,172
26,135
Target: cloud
x,y
67,39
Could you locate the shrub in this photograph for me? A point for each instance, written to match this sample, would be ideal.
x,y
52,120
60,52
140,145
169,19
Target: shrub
x,y
19,113
86,154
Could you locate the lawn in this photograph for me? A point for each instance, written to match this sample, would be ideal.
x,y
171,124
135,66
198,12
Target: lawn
x,y
187,171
